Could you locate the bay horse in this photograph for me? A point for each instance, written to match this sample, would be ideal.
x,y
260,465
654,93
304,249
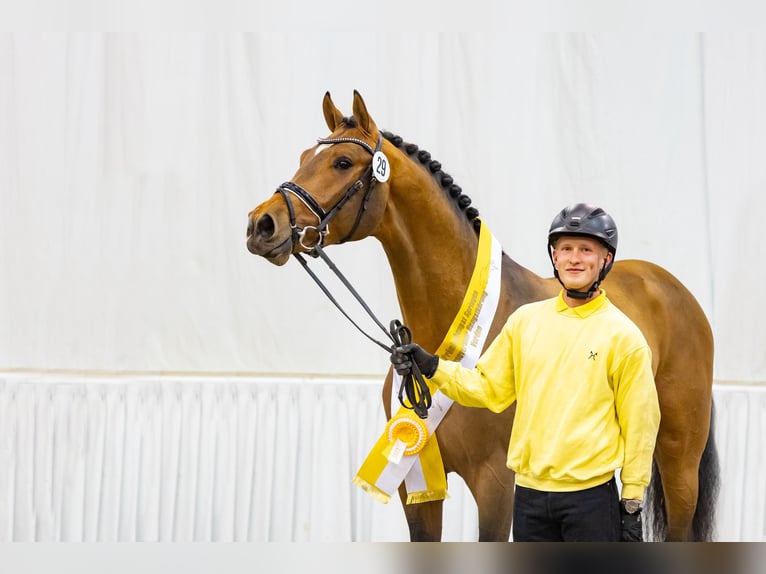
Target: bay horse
x,y
429,232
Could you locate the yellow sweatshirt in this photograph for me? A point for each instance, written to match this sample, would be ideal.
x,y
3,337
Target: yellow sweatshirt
x,y
586,399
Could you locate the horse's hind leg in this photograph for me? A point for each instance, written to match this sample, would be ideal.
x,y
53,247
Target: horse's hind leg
x,y
494,499
680,487
491,484
424,518
678,457
486,474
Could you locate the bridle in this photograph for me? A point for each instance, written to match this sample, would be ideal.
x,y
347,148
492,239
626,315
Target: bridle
x,y
413,384
322,227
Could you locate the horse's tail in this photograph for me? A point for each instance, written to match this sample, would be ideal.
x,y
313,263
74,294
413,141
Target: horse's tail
x,y
703,523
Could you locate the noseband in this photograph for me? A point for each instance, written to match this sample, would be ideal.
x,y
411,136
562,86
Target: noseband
x,y
323,217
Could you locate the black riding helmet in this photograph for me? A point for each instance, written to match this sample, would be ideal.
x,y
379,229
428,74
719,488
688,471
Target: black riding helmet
x,y
584,220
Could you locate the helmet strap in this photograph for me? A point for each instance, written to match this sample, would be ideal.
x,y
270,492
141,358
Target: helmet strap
x,y
581,295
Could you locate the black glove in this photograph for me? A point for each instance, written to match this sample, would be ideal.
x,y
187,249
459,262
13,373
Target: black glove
x,y
632,530
403,357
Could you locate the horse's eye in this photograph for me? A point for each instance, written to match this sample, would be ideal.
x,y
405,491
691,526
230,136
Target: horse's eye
x,y
342,163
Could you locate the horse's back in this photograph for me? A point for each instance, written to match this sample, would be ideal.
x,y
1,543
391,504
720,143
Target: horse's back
x,y
672,321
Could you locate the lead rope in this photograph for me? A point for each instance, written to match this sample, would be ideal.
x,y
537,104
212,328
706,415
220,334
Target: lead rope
x,y
413,385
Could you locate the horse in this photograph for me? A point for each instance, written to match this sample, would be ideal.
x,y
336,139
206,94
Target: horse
x,y
429,232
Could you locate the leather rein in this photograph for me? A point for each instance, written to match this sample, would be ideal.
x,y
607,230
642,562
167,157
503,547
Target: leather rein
x,y
413,384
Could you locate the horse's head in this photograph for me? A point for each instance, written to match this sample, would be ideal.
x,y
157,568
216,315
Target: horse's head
x,y
345,170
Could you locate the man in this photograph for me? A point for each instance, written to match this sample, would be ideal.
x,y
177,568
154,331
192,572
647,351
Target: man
x,y
580,373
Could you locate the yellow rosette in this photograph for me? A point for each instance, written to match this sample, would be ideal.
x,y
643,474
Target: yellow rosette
x,y
409,430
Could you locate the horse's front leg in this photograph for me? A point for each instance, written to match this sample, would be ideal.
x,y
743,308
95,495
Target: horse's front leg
x,y
424,519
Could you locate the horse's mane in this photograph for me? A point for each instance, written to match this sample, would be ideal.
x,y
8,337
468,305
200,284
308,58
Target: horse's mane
x,y
451,189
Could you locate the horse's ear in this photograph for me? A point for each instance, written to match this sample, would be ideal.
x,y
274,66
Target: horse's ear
x,y
362,115
332,115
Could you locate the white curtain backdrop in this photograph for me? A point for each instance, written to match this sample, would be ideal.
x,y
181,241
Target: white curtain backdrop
x,y
208,459
158,382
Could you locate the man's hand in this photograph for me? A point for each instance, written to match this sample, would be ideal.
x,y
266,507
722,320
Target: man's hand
x,y
403,357
632,529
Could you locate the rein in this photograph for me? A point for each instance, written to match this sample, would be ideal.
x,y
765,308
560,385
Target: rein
x,y
413,384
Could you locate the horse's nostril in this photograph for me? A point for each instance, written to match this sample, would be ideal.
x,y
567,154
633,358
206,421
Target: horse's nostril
x,y
264,227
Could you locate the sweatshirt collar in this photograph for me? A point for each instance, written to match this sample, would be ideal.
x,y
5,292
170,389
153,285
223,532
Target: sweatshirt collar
x,y
583,310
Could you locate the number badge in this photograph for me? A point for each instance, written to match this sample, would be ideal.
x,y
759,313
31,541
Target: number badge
x,y
381,170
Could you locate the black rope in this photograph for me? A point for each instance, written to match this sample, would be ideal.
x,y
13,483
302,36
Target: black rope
x,y
335,302
413,386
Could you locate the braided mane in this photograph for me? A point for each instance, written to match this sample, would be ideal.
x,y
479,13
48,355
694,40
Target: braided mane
x,y
453,190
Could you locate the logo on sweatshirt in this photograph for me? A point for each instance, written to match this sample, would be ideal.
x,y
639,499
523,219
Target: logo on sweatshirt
x,y
593,355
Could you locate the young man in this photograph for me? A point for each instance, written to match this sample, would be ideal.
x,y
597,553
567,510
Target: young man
x,y
580,373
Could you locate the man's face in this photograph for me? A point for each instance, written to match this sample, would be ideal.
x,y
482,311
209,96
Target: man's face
x,y
579,261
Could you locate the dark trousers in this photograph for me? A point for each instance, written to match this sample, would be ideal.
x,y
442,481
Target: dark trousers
x,y
591,515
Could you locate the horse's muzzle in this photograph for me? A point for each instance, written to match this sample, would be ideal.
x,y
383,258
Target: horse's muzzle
x,y
264,238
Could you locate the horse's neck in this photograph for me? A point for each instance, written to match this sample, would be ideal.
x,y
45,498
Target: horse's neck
x,y
432,259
